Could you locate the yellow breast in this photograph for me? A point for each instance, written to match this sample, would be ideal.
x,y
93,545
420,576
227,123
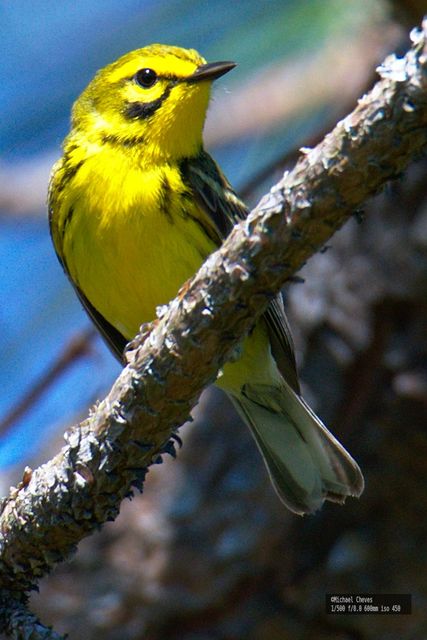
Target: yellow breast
x,y
132,238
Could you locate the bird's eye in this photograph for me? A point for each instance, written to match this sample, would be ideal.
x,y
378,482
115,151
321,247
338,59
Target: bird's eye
x,y
146,78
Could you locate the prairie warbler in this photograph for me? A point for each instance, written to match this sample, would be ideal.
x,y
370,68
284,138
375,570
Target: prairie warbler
x,y
135,206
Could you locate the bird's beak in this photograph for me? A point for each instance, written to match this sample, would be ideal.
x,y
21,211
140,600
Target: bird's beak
x,y
211,71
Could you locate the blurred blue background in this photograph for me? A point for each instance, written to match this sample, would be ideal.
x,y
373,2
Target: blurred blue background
x,y
50,52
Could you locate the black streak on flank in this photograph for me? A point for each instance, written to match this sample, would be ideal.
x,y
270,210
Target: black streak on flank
x,y
165,198
69,172
68,217
144,110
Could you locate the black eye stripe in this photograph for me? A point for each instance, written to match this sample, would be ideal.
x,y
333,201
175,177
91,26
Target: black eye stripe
x,y
144,110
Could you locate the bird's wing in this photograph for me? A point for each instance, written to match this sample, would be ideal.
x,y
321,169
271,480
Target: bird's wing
x,y
218,201
282,345
116,342
213,193
114,339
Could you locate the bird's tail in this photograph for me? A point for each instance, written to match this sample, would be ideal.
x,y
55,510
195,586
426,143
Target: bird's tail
x,y
306,463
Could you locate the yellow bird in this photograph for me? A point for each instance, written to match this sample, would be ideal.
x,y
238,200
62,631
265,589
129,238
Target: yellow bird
x,y
135,206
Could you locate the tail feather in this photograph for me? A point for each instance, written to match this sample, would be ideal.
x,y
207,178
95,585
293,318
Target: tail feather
x,y
306,463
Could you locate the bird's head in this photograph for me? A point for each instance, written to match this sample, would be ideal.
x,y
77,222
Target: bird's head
x,y
153,99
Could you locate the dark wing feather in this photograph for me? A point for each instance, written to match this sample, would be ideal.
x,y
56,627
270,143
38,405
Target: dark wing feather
x,y
213,193
282,345
116,342
217,199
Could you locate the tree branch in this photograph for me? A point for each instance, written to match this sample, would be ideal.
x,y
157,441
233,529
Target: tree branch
x,y
173,359
20,623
